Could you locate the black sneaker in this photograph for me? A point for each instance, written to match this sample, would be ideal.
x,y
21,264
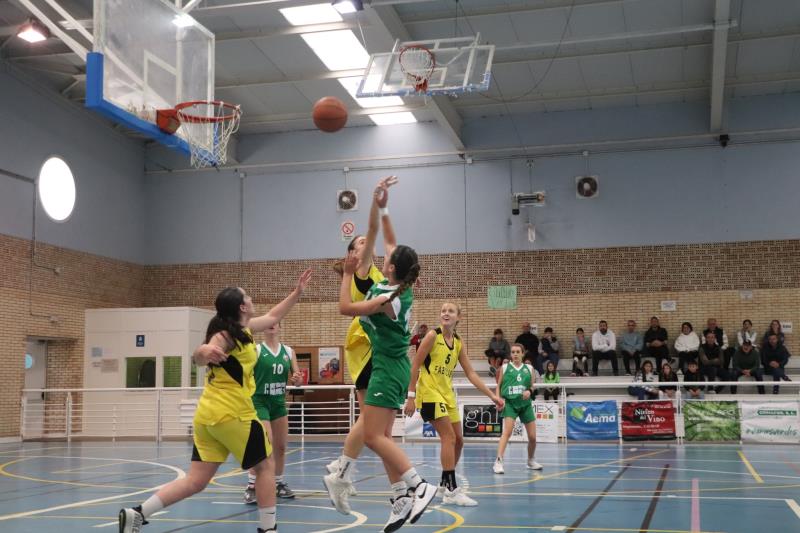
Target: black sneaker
x,y
250,495
273,530
282,490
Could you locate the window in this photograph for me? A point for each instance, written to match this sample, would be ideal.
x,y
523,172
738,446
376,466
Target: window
x,y
140,372
28,361
56,188
193,375
172,371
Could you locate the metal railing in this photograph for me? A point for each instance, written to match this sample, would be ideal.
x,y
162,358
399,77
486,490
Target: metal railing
x,y
166,413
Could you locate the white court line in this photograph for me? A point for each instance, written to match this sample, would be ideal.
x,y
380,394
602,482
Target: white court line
x,y
641,496
793,506
181,474
360,518
116,522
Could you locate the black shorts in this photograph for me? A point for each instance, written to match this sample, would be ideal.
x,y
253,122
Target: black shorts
x,y
363,378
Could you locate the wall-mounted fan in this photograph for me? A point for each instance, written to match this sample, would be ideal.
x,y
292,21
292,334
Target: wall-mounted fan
x,y
347,200
587,186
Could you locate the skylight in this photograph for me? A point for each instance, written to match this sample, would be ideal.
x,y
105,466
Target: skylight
x,y
388,119
313,14
338,50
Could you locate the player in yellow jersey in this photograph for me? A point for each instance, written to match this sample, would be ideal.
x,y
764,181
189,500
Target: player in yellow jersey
x,y
226,421
357,348
431,391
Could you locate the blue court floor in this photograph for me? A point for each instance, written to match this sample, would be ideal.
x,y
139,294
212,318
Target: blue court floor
x,y
62,488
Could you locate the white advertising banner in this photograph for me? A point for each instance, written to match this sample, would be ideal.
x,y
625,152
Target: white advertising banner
x,y
770,422
546,424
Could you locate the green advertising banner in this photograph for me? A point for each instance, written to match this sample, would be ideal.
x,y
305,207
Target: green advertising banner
x,y
502,297
715,421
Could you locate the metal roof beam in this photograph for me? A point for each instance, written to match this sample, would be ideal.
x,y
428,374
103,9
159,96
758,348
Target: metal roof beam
x,y
718,59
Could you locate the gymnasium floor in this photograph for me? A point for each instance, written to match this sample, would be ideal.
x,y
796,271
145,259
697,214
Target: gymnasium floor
x,y
657,488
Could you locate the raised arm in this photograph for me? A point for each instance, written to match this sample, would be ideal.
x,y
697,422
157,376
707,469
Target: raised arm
x,y
382,199
475,379
366,307
276,314
422,352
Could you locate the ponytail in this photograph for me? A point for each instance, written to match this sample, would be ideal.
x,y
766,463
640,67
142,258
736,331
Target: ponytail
x,y
408,281
228,316
406,268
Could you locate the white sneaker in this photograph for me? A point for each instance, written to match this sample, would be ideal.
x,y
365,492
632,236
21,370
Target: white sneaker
x,y
533,465
458,497
130,521
333,466
401,510
423,495
337,492
440,490
498,467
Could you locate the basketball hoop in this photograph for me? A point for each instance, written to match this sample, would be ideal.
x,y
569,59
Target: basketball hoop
x,y
417,63
207,126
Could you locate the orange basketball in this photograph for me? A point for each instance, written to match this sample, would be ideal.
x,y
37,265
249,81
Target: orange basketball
x,y
330,114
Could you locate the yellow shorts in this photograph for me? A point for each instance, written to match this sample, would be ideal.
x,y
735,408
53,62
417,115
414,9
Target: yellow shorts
x,y
245,439
431,411
357,354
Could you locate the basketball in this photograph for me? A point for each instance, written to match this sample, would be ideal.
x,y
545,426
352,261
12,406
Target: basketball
x,y
330,114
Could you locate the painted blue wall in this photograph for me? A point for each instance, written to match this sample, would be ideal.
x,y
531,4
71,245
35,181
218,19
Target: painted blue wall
x,y
108,169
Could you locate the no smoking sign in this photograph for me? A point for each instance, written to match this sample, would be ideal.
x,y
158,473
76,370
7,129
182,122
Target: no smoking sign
x,y
348,230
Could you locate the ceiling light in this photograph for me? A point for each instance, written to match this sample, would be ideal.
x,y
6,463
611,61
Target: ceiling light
x,y
348,6
313,14
351,86
33,31
339,50
183,20
389,119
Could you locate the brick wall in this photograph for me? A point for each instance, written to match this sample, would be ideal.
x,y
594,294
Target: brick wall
x,y
562,289
31,294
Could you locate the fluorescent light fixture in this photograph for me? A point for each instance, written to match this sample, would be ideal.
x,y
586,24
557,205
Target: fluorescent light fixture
x,y
313,14
351,86
348,6
338,50
389,119
33,31
184,20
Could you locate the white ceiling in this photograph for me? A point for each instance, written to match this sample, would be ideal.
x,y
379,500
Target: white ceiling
x,y
612,53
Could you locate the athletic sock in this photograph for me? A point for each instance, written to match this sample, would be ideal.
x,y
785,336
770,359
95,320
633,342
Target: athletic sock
x,y
346,465
399,489
279,479
411,478
266,517
251,480
449,480
151,505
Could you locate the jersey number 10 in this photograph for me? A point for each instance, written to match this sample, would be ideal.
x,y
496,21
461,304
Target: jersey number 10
x,y
277,368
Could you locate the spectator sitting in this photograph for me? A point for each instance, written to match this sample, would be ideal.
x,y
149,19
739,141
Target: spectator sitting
x,y
643,387
580,353
722,340
667,376
422,330
691,375
655,342
746,333
746,362
776,328
551,377
548,349
497,352
775,356
687,346
530,342
631,344
604,346
711,361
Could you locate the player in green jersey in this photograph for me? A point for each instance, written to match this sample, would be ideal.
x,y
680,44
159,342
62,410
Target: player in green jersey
x,y
514,383
275,366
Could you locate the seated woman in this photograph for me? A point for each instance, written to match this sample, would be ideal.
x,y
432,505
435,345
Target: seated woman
x,y
687,346
581,348
667,377
548,350
644,388
497,352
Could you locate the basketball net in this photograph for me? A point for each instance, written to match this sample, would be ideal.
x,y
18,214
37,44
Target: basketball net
x,y
207,127
417,63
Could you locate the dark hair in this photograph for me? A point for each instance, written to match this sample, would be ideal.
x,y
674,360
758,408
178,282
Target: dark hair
x,y
747,320
338,266
406,268
547,370
579,329
687,324
654,318
498,331
228,316
352,244
548,329
647,362
602,322
780,327
772,334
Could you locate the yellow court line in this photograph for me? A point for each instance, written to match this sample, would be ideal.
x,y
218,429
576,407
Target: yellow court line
x,y
455,525
750,468
573,471
81,468
4,472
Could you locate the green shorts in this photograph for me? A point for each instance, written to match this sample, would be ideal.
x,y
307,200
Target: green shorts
x,y
388,385
270,407
521,409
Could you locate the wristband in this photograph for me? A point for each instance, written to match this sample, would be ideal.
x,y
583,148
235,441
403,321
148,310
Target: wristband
x,y
384,211
412,395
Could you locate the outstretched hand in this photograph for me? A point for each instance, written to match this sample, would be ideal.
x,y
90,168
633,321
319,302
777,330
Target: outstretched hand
x,y
499,402
350,263
382,190
302,281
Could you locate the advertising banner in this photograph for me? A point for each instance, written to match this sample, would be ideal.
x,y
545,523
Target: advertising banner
x,y
481,421
717,421
546,424
770,422
648,420
592,420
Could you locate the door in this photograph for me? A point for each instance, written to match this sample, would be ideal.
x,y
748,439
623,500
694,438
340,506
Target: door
x,y
35,378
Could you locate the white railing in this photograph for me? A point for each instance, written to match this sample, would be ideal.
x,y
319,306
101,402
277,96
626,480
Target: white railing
x,y
167,413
